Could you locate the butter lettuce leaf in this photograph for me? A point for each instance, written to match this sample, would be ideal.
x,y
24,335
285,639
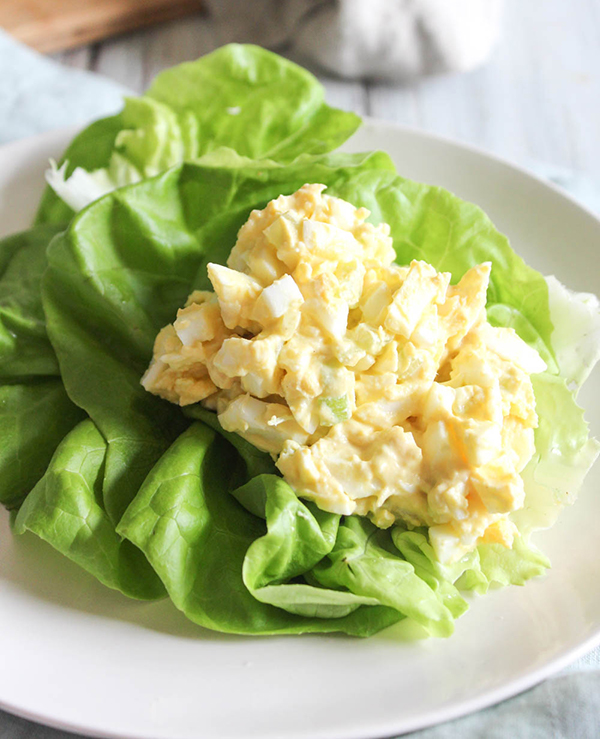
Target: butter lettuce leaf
x,y
487,565
298,536
25,349
576,335
256,102
416,549
564,452
256,461
35,411
364,561
65,509
239,96
495,564
35,416
199,538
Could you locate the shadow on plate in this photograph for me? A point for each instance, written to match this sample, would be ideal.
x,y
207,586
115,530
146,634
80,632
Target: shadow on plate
x,y
34,568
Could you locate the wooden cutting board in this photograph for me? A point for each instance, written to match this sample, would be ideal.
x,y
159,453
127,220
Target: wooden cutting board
x,y
55,25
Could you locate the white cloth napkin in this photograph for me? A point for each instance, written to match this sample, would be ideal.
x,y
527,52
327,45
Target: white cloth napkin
x,y
37,94
383,39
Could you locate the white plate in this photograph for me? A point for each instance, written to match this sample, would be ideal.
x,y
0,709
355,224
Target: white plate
x,y
76,655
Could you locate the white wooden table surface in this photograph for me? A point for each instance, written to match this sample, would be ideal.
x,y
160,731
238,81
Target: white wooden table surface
x,y
537,101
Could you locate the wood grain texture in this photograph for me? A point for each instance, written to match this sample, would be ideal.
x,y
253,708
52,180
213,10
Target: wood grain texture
x,y
537,101
134,59
53,25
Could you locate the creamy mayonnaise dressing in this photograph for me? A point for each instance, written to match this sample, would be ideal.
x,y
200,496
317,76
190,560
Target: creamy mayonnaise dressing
x,y
381,390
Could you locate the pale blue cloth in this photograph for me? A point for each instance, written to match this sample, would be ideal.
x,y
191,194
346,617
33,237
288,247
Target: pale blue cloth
x,y
36,95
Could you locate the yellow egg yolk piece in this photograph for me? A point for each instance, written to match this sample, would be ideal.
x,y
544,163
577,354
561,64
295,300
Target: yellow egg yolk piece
x,y
380,390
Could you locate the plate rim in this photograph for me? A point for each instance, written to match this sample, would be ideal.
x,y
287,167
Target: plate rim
x,y
440,716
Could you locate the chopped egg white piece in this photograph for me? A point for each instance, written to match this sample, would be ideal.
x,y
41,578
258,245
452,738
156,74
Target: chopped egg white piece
x,y
381,390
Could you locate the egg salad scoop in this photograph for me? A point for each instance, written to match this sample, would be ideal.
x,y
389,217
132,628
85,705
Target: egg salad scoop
x,y
381,390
